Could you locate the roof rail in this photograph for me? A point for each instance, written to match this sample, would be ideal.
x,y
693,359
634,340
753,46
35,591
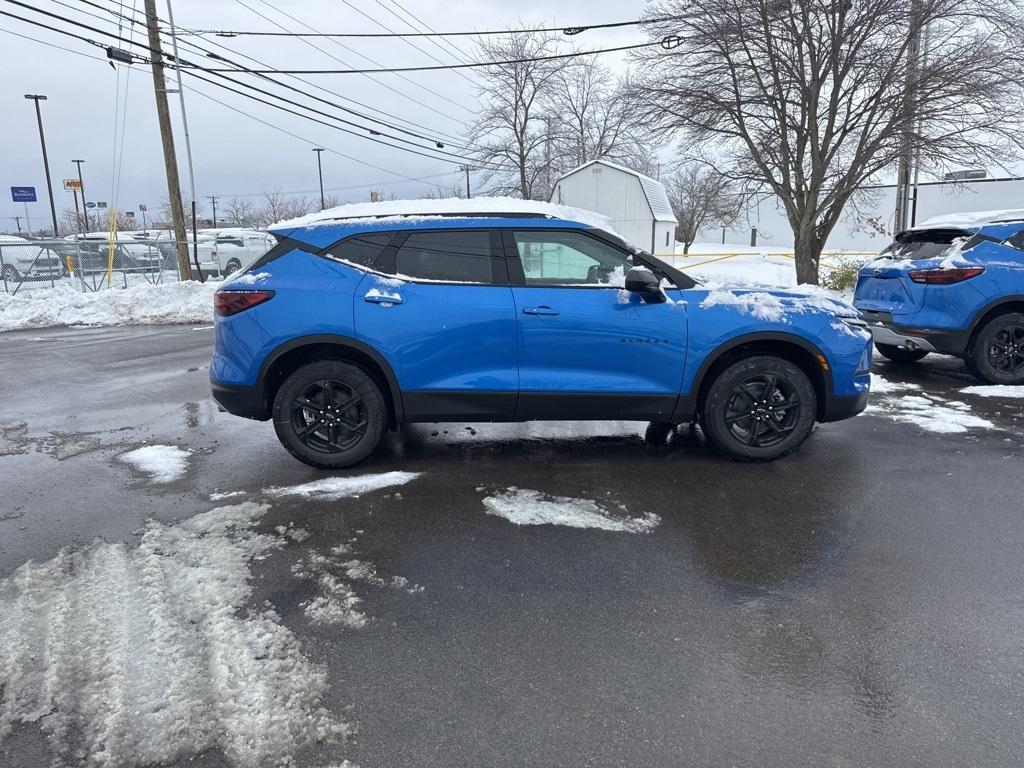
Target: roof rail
x,y
449,215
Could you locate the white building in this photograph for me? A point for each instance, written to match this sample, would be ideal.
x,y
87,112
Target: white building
x,y
636,205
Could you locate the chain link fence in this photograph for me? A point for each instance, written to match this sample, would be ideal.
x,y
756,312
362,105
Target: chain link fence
x,y
91,264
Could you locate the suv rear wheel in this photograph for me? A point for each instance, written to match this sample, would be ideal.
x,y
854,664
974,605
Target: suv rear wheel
x,y
759,409
996,355
329,414
899,354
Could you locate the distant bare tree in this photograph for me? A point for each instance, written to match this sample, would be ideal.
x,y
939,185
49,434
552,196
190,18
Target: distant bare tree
x,y
240,212
444,191
163,221
511,130
277,206
701,196
812,99
596,117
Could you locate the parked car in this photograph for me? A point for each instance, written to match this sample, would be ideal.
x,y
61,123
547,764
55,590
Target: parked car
x,y
22,259
521,312
956,287
234,249
130,254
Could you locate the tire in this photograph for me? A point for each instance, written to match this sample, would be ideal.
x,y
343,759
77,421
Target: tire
x,y
899,354
306,393
740,412
996,353
232,266
10,274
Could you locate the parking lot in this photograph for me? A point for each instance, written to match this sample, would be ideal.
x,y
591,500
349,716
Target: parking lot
x,y
858,603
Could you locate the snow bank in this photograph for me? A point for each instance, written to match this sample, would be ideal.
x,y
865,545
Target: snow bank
x,y
332,488
452,206
164,463
995,390
144,304
525,507
153,655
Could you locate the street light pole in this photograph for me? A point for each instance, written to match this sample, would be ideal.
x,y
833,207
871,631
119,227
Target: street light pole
x,y
46,163
320,172
81,185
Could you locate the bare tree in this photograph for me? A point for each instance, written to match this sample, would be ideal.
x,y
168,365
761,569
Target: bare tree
x,y
596,117
164,220
444,192
510,132
277,206
700,196
812,99
240,212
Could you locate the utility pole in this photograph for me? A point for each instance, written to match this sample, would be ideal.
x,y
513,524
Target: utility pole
x,y
213,204
17,221
466,169
85,208
320,171
907,150
78,213
46,163
167,139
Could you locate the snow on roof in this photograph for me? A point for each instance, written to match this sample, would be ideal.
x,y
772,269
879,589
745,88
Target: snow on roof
x,y
972,218
453,206
654,190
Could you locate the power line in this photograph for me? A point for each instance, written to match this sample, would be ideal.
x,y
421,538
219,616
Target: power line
x,y
53,45
190,68
570,30
576,54
448,44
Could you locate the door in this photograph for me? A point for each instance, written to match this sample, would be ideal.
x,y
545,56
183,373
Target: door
x,y
442,315
587,348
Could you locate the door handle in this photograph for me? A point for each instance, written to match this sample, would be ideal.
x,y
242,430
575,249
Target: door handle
x,y
386,299
548,311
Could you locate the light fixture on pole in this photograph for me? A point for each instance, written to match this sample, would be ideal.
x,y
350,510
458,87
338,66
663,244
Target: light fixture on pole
x,y
36,97
320,172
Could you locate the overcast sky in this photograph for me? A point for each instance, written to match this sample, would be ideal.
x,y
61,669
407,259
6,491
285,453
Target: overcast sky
x,y
234,154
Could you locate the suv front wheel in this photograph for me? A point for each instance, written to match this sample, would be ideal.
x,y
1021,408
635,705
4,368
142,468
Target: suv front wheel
x,y
759,409
329,414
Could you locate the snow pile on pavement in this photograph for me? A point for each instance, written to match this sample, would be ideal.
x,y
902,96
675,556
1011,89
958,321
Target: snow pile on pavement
x,y
337,601
995,390
144,304
164,463
333,488
526,507
927,411
152,655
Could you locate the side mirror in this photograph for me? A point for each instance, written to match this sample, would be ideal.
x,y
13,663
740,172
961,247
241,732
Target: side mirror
x,y
641,280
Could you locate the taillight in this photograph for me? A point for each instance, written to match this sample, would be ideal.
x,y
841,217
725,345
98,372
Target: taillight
x,y
227,303
945,276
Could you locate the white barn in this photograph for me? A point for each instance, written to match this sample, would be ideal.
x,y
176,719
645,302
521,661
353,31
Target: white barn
x,y
636,205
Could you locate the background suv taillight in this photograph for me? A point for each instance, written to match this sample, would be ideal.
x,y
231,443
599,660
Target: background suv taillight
x,y
945,276
227,303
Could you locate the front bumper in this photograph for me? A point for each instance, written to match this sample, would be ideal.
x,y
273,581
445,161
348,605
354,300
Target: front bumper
x,y
885,331
839,407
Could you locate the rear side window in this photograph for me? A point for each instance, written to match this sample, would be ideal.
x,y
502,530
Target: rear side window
x,y
363,250
452,256
1017,241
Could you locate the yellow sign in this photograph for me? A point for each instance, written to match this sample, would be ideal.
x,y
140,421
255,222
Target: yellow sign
x,y
72,185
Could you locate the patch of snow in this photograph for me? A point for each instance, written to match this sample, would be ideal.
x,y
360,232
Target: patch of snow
x,y
332,488
526,507
248,279
995,390
164,463
152,655
932,413
374,213
168,303
882,386
226,495
763,306
972,218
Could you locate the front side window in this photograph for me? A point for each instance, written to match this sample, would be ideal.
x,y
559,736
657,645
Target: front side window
x,y
451,256
557,257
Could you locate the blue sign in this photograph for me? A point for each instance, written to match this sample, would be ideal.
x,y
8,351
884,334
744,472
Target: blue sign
x,y
90,205
23,194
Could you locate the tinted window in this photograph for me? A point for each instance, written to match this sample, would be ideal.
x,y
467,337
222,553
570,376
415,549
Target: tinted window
x,y
1017,241
569,258
361,249
457,256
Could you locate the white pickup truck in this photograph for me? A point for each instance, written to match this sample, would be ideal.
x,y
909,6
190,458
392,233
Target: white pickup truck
x,y
229,250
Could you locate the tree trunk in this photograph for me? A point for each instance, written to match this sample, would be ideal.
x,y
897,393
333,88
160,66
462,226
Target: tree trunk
x,y
807,251
686,248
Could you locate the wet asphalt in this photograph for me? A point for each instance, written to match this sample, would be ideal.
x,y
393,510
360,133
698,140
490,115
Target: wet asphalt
x,y
856,604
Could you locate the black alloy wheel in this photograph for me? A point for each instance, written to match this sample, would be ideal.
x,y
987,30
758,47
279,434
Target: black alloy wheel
x,y
763,410
996,354
329,416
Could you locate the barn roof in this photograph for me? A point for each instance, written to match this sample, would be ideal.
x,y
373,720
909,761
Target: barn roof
x,y
654,190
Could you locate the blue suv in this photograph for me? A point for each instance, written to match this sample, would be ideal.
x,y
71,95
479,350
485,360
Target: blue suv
x,y
352,325
955,289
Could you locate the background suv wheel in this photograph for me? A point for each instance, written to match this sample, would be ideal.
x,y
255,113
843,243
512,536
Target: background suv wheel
x,y
329,414
759,409
996,354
